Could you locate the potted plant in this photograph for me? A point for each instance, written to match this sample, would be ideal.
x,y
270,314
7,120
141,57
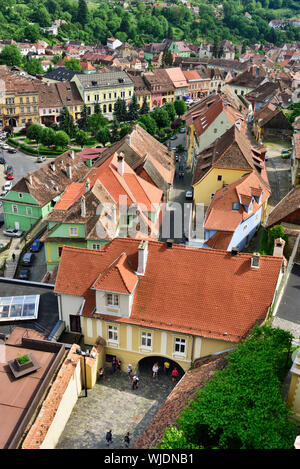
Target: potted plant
x,y
23,361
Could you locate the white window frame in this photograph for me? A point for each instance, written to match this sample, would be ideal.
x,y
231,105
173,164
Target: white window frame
x,y
115,300
180,341
113,331
29,210
15,209
76,231
145,336
97,247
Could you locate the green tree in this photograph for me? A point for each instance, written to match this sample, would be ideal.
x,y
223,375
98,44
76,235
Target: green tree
x,y
34,132
161,117
170,108
73,64
242,407
180,107
133,109
120,111
66,122
145,108
149,123
115,131
83,122
48,137
97,108
81,138
96,121
33,67
32,32
103,135
62,139
125,129
82,12
11,55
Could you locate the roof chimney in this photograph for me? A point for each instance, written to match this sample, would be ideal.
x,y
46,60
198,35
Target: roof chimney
x,y
52,166
142,256
29,178
255,260
87,185
169,243
83,208
72,154
234,252
121,164
279,244
69,171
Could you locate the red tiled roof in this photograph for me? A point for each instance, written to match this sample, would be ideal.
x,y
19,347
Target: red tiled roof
x,y
220,240
201,292
221,216
118,277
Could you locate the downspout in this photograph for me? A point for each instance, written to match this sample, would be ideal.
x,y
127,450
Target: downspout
x,y
192,351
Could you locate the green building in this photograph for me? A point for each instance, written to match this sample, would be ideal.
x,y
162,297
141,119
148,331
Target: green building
x,y
34,196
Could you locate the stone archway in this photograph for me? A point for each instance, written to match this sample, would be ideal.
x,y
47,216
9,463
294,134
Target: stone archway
x,y
12,122
145,365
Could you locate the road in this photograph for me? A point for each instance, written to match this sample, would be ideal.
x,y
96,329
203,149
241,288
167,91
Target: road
x,y
177,195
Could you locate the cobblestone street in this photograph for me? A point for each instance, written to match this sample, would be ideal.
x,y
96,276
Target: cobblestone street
x,y
112,405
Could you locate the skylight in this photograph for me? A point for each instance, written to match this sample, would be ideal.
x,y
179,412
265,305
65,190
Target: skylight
x,y
16,308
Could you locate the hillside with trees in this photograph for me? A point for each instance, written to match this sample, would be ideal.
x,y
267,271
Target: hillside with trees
x,y
93,21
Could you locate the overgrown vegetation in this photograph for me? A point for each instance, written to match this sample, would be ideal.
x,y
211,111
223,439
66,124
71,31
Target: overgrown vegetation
x,y
268,238
241,407
94,22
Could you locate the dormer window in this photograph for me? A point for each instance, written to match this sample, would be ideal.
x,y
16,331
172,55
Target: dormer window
x,y
235,206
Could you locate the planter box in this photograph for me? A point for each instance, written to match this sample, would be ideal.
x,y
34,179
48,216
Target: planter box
x,y
23,366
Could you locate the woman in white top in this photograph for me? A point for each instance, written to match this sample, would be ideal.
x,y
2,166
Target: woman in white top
x,y
155,370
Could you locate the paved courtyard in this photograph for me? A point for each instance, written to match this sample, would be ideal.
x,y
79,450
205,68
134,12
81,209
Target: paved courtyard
x,y
112,405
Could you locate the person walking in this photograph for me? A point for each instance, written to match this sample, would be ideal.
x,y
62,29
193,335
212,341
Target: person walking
x,y
13,256
166,367
135,383
119,366
108,438
127,440
101,373
129,370
174,375
114,365
155,370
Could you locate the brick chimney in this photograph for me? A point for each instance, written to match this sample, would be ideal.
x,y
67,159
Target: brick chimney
x,y
279,244
87,185
142,256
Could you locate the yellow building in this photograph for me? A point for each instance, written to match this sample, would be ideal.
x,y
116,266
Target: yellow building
x,y
104,88
19,100
221,164
149,300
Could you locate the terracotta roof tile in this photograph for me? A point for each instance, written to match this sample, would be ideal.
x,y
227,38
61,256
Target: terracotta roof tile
x,y
287,205
118,277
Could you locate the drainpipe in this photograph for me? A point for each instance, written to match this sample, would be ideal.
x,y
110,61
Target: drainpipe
x,y
192,350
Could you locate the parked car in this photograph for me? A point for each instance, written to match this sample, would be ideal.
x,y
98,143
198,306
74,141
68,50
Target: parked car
x,y
13,232
28,258
176,158
12,150
174,148
173,137
2,160
189,195
7,186
36,246
3,193
5,146
285,153
182,130
24,274
10,175
8,168
41,159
